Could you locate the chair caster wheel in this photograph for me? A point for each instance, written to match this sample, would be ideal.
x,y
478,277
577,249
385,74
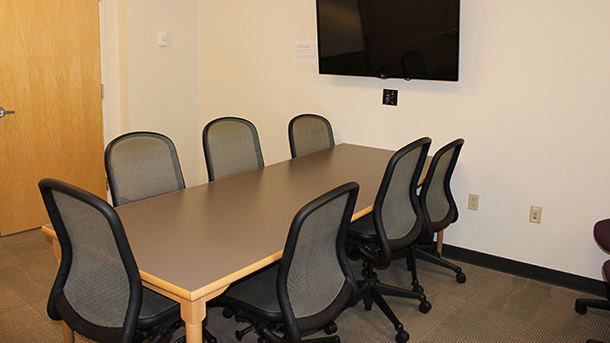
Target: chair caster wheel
x,y
402,337
261,340
368,303
418,289
330,328
227,313
580,309
460,277
425,307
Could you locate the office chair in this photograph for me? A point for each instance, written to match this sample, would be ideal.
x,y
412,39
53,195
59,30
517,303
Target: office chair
x,y
231,146
438,205
392,228
98,291
601,233
311,284
308,133
142,165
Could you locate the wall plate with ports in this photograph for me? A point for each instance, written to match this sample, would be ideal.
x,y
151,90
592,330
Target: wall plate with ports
x,y
390,97
535,214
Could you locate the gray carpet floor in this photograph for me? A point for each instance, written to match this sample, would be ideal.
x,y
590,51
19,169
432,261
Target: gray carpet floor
x,y
490,307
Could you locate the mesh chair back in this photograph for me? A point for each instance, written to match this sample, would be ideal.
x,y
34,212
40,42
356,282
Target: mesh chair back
x,y
231,146
436,198
396,207
141,165
313,270
98,289
308,133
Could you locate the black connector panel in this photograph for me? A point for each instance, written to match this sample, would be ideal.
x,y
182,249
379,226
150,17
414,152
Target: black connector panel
x,y
390,97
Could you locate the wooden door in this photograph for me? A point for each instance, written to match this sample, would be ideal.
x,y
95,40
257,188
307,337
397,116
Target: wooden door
x,y
50,76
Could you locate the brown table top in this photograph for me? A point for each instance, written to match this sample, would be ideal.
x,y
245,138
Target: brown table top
x,y
203,238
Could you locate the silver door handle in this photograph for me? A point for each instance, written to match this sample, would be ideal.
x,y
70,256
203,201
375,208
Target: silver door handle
x,y
3,112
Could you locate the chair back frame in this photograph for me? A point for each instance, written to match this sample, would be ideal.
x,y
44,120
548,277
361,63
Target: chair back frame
x,y
383,256
123,177
296,147
211,157
58,307
295,326
442,166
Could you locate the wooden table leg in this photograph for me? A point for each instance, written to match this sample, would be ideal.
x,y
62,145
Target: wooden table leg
x,y
439,242
193,314
68,333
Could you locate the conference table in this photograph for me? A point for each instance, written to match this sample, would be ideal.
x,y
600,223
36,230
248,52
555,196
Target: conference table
x,y
190,245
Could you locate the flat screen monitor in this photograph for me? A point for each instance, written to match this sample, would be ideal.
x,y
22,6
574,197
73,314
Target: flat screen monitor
x,y
407,39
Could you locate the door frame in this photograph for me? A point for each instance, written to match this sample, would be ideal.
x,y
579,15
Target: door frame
x,y
113,51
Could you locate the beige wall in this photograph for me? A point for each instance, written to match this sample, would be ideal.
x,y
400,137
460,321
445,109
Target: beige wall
x,y
532,104
151,87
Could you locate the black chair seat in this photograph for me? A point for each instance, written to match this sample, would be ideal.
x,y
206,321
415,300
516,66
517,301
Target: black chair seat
x,y
256,295
363,230
156,309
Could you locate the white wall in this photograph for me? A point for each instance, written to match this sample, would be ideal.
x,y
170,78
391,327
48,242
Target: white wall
x,y
163,81
531,103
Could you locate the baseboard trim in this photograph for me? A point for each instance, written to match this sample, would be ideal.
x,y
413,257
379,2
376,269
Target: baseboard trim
x,y
576,282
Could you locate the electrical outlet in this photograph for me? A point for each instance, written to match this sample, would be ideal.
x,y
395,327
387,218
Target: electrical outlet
x,y
535,214
473,202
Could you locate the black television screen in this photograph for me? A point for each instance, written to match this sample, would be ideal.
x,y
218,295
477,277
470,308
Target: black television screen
x,y
409,39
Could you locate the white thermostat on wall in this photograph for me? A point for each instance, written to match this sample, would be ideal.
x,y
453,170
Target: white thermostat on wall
x,y
162,38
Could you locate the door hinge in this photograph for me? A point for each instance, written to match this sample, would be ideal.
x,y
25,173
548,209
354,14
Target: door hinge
x,y
102,91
